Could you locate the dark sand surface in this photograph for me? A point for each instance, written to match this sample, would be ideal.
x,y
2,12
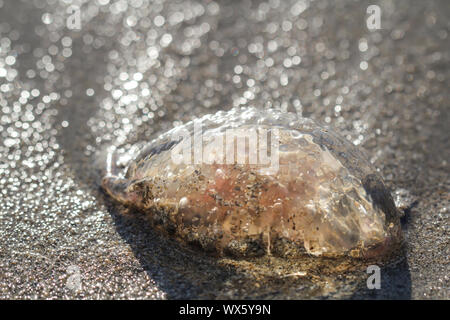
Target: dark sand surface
x,y
136,69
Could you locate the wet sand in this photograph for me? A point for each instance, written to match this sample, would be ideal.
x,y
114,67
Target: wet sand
x,y
135,70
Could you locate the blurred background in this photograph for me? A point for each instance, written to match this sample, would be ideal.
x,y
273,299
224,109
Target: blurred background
x,y
77,76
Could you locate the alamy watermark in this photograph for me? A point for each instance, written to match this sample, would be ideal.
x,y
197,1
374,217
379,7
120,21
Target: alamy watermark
x,y
74,280
373,20
73,21
374,280
253,146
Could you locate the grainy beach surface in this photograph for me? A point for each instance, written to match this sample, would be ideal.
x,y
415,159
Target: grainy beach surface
x,y
137,68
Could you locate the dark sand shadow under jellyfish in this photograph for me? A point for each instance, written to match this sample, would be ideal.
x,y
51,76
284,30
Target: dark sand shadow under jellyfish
x,y
185,272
